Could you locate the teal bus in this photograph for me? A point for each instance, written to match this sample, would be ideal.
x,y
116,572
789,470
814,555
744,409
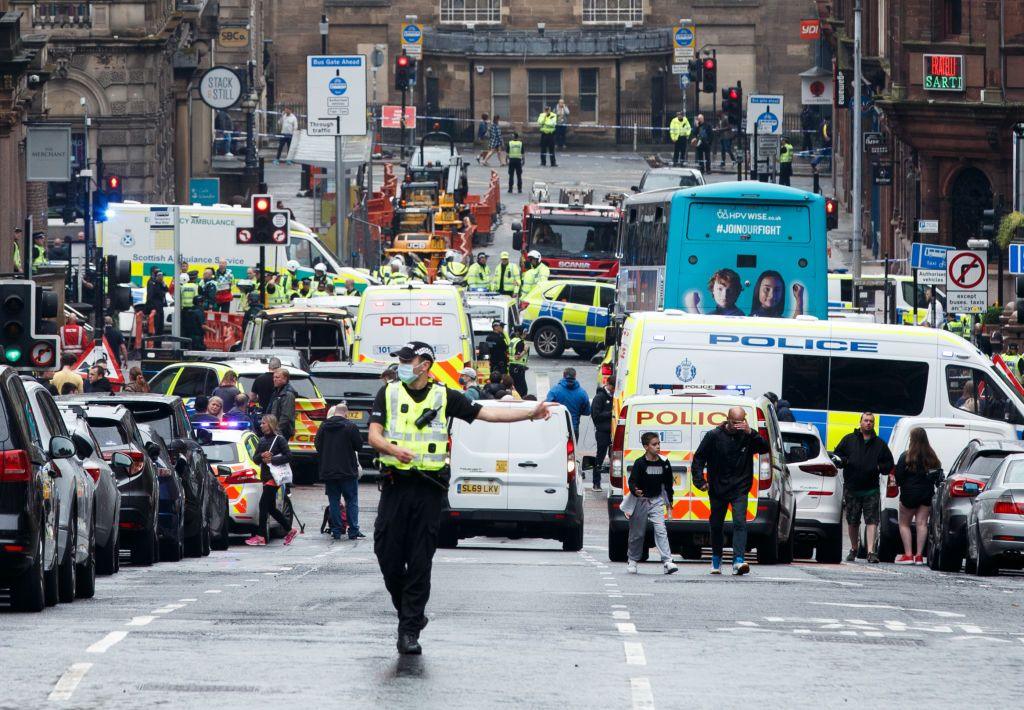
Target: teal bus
x,y
728,248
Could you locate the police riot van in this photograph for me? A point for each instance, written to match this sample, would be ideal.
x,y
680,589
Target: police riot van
x,y
681,415
391,316
207,235
829,371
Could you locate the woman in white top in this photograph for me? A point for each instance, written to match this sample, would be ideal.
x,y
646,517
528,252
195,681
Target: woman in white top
x,y
562,113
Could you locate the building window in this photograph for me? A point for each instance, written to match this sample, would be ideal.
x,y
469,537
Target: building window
x,y
464,12
501,93
588,96
613,11
953,16
544,89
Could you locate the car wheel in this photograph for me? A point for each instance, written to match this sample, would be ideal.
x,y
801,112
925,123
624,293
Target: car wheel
x,y
67,574
174,550
205,540
887,547
194,544
786,548
549,341
830,550
618,545
573,539
768,548
28,591
585,351
985,565
107,556
447,537
223,539
945,556
146,549
85,581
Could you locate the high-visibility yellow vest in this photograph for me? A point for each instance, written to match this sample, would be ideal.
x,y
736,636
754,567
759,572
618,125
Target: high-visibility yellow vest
x,y
39,253
535,276
1012,362
283,290
429,445
786,154
479,276
398,278
189,292
454,270
515,149
513,358
679,128
547,122
511,284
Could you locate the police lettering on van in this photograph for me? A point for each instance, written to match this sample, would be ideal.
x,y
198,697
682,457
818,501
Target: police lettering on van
x,y
794,343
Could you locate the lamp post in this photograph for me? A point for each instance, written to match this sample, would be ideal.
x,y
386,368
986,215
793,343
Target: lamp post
x,y
324,28
249,104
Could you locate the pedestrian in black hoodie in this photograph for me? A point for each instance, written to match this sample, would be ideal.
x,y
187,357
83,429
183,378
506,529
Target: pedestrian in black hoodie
x,y
337,446
864,457
601,413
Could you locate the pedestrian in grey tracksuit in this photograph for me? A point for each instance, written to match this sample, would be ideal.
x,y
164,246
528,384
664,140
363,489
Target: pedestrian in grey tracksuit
x,y
650,483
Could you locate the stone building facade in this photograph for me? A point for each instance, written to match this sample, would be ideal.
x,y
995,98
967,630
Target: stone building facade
x,y
611,60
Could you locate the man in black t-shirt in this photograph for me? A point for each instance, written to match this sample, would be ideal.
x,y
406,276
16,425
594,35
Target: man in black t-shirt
x,y
263,386
415,483
650,483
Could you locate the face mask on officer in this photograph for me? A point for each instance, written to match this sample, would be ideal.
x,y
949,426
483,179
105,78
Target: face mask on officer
x,y
407,372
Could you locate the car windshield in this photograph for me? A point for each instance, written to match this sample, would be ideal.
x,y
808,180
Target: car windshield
x,y
107,433
302,385
657,181
221,453
487,310
339,386
552,238
810,443
987,463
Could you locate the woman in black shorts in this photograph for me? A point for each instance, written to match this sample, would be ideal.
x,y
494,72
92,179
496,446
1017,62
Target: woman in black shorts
x,y
917,472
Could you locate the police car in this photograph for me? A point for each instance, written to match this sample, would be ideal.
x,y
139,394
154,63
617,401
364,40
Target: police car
x,y
565,313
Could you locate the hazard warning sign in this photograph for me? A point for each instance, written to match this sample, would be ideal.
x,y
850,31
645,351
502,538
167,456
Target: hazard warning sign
x,y
966,281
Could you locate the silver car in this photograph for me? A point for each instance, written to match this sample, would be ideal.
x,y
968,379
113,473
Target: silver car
x,y
995,525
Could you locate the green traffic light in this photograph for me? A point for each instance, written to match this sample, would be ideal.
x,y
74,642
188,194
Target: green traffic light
x,y
12,354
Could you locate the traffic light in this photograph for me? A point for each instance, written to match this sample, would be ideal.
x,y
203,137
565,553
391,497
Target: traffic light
x,y
831,214
112,187
732,105
989,223
269,226
710,72
693,68
23,307
405,72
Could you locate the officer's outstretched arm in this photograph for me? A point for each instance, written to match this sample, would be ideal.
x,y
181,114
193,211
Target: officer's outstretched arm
x,y
384,446
503,414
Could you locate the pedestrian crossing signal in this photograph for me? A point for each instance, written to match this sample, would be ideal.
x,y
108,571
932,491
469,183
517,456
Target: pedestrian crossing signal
x,y
831,214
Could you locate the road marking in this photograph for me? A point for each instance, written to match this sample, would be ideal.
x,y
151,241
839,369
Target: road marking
x,y
937,612
634,653
140,620
746,623
252,579
627,628
971,629
192,599
619,606
167,609
212,591
107,641
643,698
67,683
622,615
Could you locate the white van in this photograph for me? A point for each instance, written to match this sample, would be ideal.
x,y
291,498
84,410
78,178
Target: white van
x,y
948,437
514,480
829,371
840,295
681,420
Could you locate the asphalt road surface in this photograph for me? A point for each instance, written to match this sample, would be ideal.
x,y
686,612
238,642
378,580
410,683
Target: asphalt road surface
x,y
516,623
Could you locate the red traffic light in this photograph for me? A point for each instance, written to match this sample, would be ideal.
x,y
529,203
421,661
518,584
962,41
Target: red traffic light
x,y
830,206
709,64
261,203
733,94
403,60
113,182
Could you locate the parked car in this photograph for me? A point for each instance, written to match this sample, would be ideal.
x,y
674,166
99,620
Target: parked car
x,y
355,384
662,178
29,507
951,504
514,480
167,415
75,491
819,493
107,498
171,519
117,432
995,525
948,437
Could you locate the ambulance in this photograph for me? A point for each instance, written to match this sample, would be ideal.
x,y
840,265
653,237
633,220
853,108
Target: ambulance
x,y
207,235
829,371
681,415
391,316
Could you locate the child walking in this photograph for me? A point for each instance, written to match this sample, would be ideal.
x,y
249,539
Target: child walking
x,y
650,482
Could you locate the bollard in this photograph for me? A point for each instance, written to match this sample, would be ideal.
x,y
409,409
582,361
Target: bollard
x,y
816,181
634,138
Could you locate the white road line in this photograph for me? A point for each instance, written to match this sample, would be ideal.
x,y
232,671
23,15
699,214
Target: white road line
x,y
643,698
619,606
746,623
67,683
140,620
167,609
634,653
971,629
621,615
937,612
212,591
107,641
626,628
191,599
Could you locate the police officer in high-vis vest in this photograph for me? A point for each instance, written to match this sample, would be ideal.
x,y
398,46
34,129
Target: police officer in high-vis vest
x,y
479,275
409,428
515,162
535,272
505,279
679,130
785,161
547,122
191,313
518,356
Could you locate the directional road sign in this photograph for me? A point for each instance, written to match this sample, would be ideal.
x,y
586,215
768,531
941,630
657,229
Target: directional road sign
x,y
1017,258
966,281
764,111
929,256
684,42
336,95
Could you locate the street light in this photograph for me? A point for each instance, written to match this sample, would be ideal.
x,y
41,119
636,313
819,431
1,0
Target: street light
x,y
324,28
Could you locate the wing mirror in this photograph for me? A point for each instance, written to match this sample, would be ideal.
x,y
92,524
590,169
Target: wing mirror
x,y
121,463
223,471
153,450
83,447
971,488
61,447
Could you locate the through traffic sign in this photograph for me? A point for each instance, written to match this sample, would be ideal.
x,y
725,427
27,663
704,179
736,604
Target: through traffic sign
x,y
336,95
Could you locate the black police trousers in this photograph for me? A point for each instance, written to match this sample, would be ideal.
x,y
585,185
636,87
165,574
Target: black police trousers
x,y
404,540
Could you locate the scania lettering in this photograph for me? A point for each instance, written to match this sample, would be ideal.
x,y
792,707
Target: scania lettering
x,y
732,248
830,371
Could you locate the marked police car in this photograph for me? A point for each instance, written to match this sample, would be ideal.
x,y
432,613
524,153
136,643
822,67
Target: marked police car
x,y
567,313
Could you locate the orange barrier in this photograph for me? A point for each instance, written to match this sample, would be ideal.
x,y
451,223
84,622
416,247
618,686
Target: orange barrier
x,y
137,328
222,330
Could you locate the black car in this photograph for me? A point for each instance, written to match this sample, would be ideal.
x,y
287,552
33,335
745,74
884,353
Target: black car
x,y
75,492
355,384
107,496
172,496
117,432
29,513
951,504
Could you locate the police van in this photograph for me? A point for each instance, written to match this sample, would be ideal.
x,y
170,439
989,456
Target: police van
x,y
391,316
829,371
681,415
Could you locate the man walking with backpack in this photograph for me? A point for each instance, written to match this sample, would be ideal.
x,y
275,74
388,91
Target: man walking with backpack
x,y
337,445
